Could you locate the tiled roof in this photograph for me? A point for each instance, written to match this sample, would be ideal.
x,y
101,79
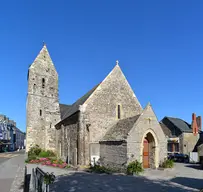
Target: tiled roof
x,y
75,106
166,130
180,124
120,130
63,109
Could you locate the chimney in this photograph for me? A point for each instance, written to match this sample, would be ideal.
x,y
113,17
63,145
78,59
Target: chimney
x,y
199,123
194,124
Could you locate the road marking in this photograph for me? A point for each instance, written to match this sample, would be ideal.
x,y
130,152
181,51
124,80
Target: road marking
x,y
8,155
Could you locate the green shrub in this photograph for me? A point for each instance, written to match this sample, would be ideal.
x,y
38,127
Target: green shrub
x,y
134,167
27,160
168,164
52,159
60,162
34,151
49,178
99,169
44,154
51,153
33,157
68,166
103,169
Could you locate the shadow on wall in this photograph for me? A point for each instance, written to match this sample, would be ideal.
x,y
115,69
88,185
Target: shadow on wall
x,y
88,182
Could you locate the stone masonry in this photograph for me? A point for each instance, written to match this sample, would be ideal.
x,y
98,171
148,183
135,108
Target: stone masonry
x,y
121,147
113,154
147,123
42,102
77,132
188,142
101,108
67,139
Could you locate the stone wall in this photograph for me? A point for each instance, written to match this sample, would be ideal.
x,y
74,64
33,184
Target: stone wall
x,y
200,150
100,111
113,154
147,123
188,142
42,103
67,139
200,153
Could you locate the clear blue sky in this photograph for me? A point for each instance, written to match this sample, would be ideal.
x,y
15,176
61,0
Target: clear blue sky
x,y
159,45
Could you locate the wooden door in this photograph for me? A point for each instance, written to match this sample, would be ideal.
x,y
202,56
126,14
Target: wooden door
x,y
146,154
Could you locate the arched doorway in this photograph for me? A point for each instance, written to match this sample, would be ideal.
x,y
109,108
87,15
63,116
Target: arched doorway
x,y
149,151
146,153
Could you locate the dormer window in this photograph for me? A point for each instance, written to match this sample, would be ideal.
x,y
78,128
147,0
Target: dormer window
x,y
119,112
43,83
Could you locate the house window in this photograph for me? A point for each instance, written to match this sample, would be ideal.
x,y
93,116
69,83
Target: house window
x,y
119,111
40,112
177,147
43,83
170,147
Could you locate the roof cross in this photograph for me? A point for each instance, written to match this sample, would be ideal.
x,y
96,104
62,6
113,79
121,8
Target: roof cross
x,y
117,62
149,119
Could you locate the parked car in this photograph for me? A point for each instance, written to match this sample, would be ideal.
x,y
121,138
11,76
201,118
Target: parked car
x,y
179,157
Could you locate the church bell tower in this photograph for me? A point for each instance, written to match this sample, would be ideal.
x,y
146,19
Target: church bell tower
x,y
42,108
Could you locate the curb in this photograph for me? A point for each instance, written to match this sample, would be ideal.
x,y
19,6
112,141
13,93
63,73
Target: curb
x,y
18,183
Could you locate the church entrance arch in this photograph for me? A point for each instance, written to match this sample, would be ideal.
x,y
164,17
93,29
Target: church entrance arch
x,y
149,157
146,153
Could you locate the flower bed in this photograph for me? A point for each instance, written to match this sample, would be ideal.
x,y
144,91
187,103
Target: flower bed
x,y
50,162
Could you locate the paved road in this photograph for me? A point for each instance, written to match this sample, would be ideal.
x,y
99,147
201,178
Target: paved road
x,y
183,178
9,164
6,156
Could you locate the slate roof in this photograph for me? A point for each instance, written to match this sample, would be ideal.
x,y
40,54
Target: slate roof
x,y
180,124
120,130
166,130
75,106
63,109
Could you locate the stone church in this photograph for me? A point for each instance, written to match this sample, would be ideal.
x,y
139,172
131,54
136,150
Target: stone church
x,y
107,124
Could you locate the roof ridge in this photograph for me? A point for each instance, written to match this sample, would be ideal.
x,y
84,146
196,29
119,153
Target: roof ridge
x,y
178,118
75,106
116,131
180,124
65,104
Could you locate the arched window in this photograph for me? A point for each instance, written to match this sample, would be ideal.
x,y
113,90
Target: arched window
x,y
119,111
43,83
40,112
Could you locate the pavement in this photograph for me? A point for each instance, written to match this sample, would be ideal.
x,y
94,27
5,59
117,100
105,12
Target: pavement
x,y
182,178
9,166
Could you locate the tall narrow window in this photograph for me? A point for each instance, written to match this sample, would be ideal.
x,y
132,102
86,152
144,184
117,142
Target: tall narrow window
x,y
40,112
34,88
43,82
119,111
